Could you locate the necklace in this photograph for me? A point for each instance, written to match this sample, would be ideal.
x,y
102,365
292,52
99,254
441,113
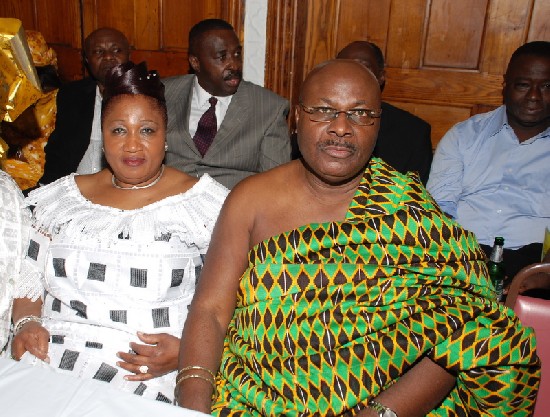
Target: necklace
x,y
139,187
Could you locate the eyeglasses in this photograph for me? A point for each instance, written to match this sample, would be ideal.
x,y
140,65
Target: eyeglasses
x,y
361,117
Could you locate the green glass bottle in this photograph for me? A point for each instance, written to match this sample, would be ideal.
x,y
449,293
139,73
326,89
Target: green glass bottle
x,y
496,267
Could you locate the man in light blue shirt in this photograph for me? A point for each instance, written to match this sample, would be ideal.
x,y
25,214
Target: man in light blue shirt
x,y
492,171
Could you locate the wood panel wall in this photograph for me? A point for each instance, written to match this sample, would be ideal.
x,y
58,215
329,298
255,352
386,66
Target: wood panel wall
x,y
445,58
157,29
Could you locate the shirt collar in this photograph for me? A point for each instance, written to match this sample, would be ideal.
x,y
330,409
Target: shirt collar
x,y
201,96
98,96
501,122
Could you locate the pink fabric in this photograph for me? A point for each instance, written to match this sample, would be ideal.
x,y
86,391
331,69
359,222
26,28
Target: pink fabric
x,y
535,313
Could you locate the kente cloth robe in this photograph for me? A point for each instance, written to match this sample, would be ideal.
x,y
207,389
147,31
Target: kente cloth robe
x,y
329,315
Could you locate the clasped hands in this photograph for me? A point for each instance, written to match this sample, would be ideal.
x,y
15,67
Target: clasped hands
x,y
157,355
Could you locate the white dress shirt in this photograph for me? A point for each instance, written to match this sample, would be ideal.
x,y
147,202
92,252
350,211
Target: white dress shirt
x,y
92,161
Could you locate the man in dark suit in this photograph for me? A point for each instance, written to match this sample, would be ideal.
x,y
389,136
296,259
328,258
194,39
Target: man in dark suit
x,y
404,140
249,133
75,144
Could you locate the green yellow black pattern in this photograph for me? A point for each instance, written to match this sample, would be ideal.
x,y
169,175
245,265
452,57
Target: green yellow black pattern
x,y
329,315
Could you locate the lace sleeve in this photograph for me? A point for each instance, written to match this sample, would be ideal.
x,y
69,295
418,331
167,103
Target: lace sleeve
x,y
29,283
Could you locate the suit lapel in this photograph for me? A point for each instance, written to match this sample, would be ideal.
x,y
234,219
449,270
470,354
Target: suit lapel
x,y
183,112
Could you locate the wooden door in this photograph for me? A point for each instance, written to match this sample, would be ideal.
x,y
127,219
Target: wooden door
x,y
445,58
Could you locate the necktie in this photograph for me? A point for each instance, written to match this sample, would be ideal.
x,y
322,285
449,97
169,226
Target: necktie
x,y
207,128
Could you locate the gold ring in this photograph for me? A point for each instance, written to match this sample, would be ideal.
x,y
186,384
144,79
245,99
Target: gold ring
x,y
143,369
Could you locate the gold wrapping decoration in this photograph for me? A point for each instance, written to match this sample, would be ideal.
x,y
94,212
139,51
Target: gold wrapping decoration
x,y
28,114
28,138
3,151
41,53
44,111
19,85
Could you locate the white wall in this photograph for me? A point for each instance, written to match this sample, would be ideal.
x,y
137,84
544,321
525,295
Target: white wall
x,y
254,41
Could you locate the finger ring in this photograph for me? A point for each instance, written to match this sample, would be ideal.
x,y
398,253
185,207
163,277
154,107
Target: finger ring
x,y
143,369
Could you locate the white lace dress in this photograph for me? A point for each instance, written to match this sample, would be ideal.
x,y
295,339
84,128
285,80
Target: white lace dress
x,y
14,231
109,273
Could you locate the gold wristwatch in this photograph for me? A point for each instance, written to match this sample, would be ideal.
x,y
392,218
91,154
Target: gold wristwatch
x,y
382,410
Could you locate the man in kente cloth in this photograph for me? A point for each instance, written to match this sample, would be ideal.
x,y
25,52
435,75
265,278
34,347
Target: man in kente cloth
x,y
334,285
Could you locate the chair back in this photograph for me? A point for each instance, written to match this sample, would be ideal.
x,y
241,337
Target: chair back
x,y
535,313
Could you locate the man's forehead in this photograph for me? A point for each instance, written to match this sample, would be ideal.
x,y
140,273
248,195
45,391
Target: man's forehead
x,y
219,36
364,53
107,37
525,65
342,72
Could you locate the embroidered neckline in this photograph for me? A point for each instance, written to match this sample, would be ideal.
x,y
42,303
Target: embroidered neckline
x,y
61,208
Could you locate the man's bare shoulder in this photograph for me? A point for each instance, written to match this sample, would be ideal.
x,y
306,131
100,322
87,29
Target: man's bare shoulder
x,y
263,192
277,180
262,204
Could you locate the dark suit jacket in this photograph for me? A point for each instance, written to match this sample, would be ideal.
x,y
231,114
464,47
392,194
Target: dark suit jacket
x,y
404,141
252,138
73,126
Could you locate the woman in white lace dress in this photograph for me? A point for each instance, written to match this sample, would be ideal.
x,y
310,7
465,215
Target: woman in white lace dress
x,y
118,252
14,232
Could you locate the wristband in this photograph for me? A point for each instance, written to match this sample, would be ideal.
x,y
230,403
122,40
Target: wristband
x,y
382,410
24,320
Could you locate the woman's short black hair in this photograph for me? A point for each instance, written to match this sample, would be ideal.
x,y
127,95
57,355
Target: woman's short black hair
x,y
133,79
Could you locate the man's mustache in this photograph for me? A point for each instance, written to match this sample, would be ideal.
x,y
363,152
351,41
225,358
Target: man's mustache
x,y
339,143
233,74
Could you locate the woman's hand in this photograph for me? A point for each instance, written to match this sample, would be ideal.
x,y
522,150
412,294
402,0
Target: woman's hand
x,y
159,355
32,338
